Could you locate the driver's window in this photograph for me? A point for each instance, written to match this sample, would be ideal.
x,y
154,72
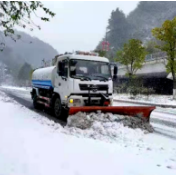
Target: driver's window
x,y
93,68
63,68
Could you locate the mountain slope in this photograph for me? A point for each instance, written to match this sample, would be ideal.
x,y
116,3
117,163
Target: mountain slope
x,y
27,49
31,49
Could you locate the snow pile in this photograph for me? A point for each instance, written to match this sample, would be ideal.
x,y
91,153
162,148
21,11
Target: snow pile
x,y
80,120
84,121
136,122
107,127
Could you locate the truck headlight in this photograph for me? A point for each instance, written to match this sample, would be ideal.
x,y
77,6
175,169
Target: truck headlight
x,y
71,101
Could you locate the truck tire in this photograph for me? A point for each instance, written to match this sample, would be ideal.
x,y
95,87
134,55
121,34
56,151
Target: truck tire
x,y
57,108
35,104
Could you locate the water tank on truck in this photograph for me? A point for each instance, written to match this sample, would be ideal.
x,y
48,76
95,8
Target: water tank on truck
x,y
44,77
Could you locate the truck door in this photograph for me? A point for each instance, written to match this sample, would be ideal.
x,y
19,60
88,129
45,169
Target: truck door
x,y
61,81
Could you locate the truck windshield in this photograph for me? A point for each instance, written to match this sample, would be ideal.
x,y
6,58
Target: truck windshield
x,y
91,69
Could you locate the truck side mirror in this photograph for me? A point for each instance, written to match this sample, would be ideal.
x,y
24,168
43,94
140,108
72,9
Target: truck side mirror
x,y
115,72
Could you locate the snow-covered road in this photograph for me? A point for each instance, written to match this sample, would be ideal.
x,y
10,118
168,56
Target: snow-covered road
x,y
162,119
32,144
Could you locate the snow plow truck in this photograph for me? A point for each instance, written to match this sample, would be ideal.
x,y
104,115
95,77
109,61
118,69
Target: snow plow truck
x,y
79,81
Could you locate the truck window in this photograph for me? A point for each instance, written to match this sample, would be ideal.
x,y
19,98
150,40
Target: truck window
x,y
63,68
93,69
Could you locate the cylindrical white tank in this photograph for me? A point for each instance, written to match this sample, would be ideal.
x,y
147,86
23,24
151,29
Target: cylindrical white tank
x,y
44,77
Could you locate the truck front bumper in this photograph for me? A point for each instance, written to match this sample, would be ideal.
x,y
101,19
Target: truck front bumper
x,y
77,100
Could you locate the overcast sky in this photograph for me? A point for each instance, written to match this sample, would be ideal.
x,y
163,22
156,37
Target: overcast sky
x,y
78,25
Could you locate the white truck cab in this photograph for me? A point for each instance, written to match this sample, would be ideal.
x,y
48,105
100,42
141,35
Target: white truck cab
x,y
79,79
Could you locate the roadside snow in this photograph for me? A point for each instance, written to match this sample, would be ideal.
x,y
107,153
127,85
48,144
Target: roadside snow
x,y
21,92
158,99
33,144
16,88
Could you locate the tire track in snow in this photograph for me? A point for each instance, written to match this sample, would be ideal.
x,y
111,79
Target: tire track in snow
x,y
163,122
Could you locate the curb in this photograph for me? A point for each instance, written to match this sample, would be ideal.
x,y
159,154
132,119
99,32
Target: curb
x,y
145,103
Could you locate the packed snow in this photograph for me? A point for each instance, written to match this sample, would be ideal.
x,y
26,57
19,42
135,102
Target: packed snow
x,y
157,99
33,144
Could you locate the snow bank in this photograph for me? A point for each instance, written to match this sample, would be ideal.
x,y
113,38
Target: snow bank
x,y
32,144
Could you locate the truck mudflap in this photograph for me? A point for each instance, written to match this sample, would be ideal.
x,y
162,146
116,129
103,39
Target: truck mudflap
x,y
135,111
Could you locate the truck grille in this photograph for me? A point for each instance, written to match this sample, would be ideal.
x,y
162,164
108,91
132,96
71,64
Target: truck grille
x,y
92,87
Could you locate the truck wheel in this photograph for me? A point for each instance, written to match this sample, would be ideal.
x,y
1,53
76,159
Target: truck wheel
x,y
57,108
